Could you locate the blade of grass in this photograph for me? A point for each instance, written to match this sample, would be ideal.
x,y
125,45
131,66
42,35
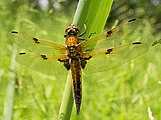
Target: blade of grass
x,y
95,14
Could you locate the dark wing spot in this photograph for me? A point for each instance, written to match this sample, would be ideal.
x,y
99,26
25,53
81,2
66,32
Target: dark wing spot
x,y
22,53
14,32
87,58
36,40
109,33
109,51
136,43
132,20
66,63
44,57
83,63
60,60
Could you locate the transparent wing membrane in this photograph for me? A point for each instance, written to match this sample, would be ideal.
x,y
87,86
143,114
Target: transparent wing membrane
x,y
101,52
104,60
34,44
48,64
124,33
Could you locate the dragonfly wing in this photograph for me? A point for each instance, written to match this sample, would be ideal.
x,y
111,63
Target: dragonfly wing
x,y
47,64
114,37
107,59
34,44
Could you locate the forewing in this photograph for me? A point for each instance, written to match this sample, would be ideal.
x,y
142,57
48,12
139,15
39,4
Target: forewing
x,y
107,59
47,64
125,32
34,44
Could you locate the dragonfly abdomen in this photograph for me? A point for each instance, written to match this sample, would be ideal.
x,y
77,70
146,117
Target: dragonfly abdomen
x,y
77,83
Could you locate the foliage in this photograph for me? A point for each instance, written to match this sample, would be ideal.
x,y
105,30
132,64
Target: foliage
x,y
144,9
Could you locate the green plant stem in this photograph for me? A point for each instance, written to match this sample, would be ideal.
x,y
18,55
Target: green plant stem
x,y
11,88
67,101
94,13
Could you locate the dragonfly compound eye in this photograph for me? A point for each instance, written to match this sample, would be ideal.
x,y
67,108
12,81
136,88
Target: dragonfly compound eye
x,y
72,30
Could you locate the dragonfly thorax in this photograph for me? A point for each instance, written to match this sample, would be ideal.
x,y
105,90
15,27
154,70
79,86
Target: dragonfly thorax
x,y
73,53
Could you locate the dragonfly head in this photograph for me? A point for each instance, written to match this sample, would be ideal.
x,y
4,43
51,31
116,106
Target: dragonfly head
x,y
72,30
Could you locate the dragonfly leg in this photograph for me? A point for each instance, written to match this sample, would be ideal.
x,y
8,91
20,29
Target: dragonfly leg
x,y
84,32
91,34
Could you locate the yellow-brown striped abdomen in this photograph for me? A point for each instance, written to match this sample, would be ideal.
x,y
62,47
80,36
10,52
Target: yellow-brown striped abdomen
x,y
77,83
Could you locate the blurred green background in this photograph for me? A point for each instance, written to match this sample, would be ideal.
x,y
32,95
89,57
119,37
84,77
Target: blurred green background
x,y
123,93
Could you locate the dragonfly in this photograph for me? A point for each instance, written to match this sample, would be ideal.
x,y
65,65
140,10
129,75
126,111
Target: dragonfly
x,y
95,54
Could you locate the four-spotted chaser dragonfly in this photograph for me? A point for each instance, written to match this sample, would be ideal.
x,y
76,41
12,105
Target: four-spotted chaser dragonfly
x,y
53,58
